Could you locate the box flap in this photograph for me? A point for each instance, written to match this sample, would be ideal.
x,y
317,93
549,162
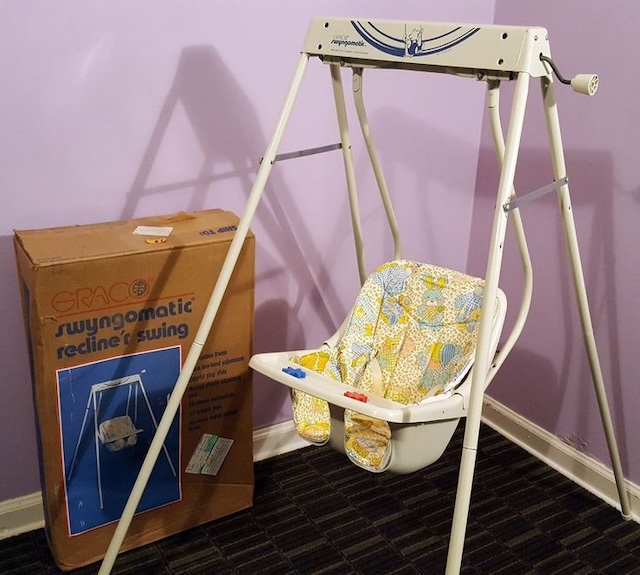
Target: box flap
x,y
52,246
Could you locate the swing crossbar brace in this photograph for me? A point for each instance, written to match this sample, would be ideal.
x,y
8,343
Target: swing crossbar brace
x,y
531,196
306,152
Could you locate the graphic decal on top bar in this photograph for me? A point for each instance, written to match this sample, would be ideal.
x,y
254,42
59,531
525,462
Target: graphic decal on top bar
x,y
412,43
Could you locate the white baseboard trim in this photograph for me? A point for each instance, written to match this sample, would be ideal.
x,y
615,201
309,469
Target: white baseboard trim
x,y
21,515
275,440
587,472
27,513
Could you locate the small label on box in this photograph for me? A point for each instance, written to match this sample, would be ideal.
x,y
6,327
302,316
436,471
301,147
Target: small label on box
x,y
162,231
209,455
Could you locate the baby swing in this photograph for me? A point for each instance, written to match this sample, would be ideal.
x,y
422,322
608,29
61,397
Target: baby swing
x,y
390,386
408,344
116,433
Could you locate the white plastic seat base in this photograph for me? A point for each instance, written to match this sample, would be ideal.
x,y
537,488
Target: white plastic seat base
x,y
413,446
118,433
419,432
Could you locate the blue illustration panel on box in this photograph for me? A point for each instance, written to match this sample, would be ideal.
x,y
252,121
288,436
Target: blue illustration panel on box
x,y
109,412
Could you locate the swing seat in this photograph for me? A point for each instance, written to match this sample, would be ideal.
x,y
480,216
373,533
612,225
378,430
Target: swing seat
x,y
389,388
118,433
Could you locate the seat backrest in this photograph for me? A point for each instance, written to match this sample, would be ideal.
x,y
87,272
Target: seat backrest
x,y
412,332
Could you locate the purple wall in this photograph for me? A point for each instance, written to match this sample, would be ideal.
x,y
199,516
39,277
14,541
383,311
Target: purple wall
x,y
113,110
547,379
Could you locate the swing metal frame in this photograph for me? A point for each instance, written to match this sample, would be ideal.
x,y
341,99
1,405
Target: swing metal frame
x,y
490,53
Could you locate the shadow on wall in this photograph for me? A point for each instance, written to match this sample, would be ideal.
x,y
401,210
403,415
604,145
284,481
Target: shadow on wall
x,y
527,383
424,149
225,126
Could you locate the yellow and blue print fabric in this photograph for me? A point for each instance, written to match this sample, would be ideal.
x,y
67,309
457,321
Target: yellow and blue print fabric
x,y
411,335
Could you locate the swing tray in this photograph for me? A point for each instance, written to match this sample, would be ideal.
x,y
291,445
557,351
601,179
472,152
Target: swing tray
x,y
445,406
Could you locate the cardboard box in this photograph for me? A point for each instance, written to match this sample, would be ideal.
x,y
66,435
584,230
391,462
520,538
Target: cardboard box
x,y
111,311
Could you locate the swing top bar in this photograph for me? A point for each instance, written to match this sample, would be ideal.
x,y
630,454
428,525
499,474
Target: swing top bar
x,y
463,49
127,380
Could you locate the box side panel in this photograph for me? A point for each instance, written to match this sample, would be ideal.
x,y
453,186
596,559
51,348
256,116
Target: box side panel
x,y
28,288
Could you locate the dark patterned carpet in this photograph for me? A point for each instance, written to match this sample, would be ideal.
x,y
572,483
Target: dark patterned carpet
x,y
314,512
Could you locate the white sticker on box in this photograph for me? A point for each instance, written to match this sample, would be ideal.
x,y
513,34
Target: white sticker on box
x,y
217,456
199,457
209,455
161,231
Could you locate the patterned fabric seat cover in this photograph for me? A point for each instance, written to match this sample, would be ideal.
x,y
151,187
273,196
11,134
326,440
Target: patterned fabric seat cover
x,y
411,335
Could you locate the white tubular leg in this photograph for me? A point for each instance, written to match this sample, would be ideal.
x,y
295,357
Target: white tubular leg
x,y
358,99
96,442
560,171
493,97
347,156
205,326
482,361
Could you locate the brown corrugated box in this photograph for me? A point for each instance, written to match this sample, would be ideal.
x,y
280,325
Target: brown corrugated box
x,y
110,312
